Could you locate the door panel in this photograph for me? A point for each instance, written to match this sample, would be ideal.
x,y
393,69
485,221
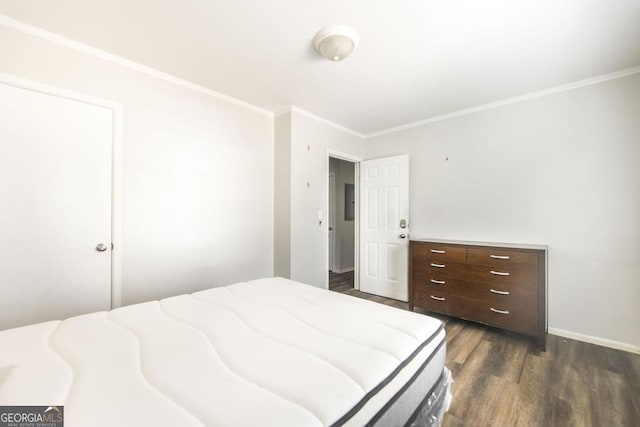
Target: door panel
x,y
394,251
55,187
384,190
372,260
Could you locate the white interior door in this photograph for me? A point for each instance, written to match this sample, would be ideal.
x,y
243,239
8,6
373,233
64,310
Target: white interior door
x,y
384,221
332,221
55,190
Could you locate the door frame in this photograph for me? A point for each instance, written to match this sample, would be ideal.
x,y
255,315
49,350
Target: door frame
x,y
116,167
356,244
331,214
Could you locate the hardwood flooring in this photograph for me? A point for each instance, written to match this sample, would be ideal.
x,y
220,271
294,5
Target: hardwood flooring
x,y
502,379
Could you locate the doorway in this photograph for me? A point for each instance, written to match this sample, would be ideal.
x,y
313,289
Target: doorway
x,y
342,223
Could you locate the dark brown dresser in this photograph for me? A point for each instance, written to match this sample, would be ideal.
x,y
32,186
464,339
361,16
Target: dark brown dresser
x,y
497,284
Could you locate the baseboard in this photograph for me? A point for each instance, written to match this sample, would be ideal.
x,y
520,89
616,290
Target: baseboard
x,y
595,340
343,270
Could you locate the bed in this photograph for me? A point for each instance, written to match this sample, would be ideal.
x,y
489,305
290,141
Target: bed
x,y
269,352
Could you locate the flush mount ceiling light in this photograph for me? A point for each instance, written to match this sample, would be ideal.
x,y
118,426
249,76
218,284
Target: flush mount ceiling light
x,y
336,42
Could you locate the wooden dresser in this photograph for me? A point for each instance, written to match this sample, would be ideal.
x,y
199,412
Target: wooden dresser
x,y
502,285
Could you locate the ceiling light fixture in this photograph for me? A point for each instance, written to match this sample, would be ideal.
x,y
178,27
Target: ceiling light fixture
x,y
336,42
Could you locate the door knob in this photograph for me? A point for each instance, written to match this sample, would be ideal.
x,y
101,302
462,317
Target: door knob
x,y
101,247
403,236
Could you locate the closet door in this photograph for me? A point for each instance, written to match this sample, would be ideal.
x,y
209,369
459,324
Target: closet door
x,y
55,207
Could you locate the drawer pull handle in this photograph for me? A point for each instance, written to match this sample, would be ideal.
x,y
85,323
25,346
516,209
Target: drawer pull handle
x,y
439,265
497,273
436,251
438,282
437,298
499,256
495,310
500,292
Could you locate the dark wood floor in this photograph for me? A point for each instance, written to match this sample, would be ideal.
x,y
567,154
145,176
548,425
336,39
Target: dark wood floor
x,y
502,379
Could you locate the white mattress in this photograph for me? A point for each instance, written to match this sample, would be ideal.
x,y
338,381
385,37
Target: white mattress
x,y
266,352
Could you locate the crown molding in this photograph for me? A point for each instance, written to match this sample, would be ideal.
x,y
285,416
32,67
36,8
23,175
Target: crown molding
x,y
281,112
533,95
84,48
81,47
322,120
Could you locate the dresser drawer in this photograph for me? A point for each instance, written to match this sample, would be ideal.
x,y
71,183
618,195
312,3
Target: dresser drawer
x,y
437,284
512,314
432,300
508,277
501,257
439,269
509,314
497,294
440,252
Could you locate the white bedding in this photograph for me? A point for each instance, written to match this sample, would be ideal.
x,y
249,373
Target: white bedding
x,y
269,352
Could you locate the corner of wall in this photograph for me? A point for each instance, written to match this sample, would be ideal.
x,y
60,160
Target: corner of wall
x,y
282,196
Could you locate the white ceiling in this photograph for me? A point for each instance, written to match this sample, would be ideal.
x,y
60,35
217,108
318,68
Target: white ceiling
x,y
417,59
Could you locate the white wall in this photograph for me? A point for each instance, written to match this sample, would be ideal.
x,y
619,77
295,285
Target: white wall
x,y
344,172
562,170
311,141
197,171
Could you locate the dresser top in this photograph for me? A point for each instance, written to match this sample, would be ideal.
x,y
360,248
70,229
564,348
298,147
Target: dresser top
x,y
493,244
